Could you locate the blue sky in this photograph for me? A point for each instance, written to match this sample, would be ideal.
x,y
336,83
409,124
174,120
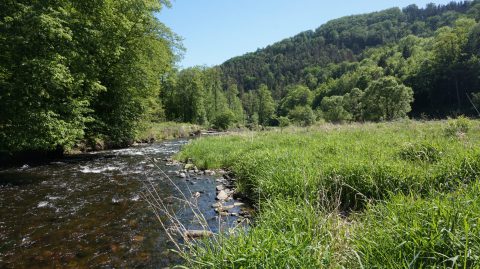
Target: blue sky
x,y
217,30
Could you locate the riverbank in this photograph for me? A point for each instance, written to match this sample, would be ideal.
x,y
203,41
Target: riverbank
x,y
166,130
148,133
403,194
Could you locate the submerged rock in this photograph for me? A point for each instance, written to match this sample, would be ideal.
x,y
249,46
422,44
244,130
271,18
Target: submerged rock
x,y
197,233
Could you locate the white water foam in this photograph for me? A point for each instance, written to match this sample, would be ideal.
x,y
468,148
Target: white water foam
x,y
98,170
42,204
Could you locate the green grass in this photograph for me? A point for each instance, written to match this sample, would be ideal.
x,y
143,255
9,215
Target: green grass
x,y
385,177
165,130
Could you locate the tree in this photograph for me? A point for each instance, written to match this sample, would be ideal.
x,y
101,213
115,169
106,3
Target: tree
x,y
333,110
234,103
297,95
302,115
266,105
71,70
386,99
352,103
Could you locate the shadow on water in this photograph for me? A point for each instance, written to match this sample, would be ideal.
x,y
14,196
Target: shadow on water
x,y
86,211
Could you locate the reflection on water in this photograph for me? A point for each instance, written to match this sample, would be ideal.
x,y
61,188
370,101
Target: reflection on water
x,y
87,211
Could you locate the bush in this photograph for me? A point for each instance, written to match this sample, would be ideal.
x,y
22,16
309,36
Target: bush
x,y
457,127
223,120
333,110
302,115
283,122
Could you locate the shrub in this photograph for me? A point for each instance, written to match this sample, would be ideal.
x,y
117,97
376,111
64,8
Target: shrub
x,y
283,122
223,120
333,110
459,126
302,115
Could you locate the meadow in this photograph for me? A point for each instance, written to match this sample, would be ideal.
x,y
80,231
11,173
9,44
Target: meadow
x,y
375,195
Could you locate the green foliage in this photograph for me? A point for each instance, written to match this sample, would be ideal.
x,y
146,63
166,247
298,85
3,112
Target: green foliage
x,y
224,120
283,121
386,99
432,50
333,109
235,104
296,96
303,58
457,127
66,71
302,115
266,105
287,234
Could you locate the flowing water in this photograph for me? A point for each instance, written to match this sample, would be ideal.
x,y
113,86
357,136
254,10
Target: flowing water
x,y
88,211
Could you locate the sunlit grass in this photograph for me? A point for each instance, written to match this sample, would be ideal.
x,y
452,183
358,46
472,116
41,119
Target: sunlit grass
x,y
361,172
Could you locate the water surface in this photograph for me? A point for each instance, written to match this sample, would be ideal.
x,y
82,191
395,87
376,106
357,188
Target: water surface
x,y
88,211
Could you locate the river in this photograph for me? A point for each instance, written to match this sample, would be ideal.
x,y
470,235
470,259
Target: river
x,y
87,211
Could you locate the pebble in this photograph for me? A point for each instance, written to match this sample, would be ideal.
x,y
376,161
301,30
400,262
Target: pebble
x,y
216,205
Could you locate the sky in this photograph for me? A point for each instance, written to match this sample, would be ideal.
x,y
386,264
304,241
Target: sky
x,y
214,31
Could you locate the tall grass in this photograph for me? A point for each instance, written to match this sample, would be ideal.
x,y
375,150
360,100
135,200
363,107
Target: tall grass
x,y
442,231
359,171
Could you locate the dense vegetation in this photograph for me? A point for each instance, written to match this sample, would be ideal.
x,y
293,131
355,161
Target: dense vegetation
x,y
421,62
385,195
434,50
74,70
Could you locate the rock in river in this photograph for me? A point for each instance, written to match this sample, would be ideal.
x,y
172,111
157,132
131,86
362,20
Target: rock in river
x,y
222,195
197,233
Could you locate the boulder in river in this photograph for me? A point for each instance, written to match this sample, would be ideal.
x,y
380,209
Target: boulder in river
x,y
182,175
222,195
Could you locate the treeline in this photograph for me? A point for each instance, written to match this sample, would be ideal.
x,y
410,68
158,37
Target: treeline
x,y
423,62
79,70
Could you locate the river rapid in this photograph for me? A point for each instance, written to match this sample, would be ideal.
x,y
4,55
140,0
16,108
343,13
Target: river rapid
x,y
88,211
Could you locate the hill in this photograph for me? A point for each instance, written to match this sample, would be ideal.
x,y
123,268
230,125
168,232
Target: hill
x,y
312,58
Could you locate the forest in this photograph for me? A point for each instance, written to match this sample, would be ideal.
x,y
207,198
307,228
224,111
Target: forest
x,y
103,70
416,62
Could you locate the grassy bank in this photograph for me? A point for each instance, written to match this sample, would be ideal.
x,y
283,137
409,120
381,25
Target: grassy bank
x,y
401,195
165,130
